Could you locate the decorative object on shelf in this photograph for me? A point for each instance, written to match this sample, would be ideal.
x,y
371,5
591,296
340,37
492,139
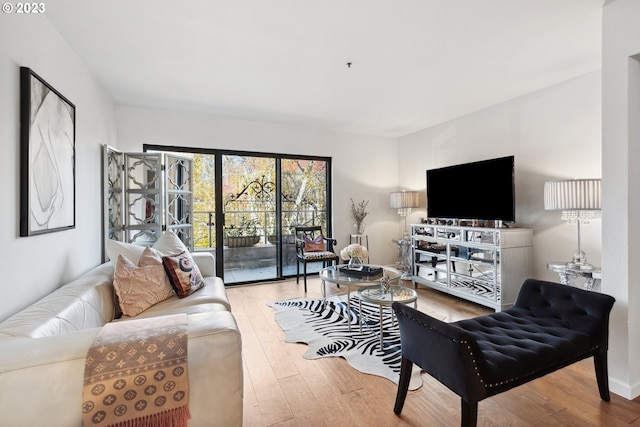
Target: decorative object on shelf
x,y
47,157
354,253
404,201
385,283
359,213
578,199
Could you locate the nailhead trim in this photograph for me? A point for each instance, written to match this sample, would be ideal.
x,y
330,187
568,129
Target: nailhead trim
x,y
471,354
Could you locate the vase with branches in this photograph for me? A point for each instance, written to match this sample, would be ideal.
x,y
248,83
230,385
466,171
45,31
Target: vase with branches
x,y
359,212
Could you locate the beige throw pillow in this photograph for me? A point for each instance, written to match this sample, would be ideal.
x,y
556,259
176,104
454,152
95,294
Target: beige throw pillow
x,y
140,287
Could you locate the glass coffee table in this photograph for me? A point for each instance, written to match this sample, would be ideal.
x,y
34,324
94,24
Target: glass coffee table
x,y
334,274
376,295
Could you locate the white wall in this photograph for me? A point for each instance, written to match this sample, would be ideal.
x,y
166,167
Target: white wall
x,y
621,189
34,266
554,133
364,167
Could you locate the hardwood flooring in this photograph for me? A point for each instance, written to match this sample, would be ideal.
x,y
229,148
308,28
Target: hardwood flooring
x,y
283,389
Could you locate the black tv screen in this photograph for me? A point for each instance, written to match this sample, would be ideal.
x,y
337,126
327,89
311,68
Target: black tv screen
x,y
481,190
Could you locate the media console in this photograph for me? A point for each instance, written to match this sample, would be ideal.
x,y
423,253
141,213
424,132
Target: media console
x,y
483,265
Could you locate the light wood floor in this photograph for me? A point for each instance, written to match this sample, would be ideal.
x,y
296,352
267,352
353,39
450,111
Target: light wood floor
x,y
283,389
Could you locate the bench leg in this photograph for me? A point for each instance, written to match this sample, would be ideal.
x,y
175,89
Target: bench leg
x,y
602,376
469,413
403,385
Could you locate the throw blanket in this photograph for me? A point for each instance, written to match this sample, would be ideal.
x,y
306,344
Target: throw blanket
x,y
136,374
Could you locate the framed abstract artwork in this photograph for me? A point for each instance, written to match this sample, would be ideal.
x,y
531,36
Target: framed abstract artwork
x,y
47,157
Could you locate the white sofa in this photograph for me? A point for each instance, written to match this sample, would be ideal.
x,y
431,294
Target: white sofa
x,y
43,350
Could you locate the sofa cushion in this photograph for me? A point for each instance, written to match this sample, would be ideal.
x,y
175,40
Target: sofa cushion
x,y
140,286
86,302
183,273
212,295
169,309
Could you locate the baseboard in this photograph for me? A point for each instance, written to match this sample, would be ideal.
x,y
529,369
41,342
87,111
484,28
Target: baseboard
x,y
623,389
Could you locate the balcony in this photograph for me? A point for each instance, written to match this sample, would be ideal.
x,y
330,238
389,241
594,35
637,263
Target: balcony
x,y
252,256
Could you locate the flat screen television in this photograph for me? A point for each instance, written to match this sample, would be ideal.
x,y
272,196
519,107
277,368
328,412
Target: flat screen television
x,y
483,190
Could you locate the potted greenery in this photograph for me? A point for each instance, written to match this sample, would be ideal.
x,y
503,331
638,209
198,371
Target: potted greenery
x,y
241,234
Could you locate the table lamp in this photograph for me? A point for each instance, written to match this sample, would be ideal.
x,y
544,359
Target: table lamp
x,y
578,199
404,201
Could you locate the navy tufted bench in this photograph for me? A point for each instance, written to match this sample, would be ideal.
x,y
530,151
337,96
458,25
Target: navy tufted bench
x,y
550,326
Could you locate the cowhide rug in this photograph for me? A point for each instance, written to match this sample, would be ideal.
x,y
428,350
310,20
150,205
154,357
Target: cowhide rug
x,y
325,329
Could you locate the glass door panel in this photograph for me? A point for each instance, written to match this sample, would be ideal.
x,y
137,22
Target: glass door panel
x,y
204,202
304,203
249,207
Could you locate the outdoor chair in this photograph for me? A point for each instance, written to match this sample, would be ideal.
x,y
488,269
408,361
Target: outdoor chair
x,y
313,246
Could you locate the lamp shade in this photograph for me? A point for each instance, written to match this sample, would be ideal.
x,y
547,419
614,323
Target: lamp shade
x,y
404,199
572,195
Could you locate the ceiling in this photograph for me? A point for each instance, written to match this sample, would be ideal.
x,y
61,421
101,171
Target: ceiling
x,y
414,63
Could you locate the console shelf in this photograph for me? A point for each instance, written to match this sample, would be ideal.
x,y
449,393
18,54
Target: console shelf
x,y
483,265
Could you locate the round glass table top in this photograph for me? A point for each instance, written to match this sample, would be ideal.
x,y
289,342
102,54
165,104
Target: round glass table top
x,y
335,274
376,294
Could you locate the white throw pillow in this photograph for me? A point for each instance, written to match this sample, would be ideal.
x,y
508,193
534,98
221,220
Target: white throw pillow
x,y
168,244
127,250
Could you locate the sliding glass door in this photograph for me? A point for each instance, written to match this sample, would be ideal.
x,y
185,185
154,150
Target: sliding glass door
x,y
246,206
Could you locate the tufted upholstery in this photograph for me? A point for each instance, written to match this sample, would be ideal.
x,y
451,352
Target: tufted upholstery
x,y
549,327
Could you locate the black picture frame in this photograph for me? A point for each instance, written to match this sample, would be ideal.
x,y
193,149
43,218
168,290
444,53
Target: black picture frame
x,y
47,157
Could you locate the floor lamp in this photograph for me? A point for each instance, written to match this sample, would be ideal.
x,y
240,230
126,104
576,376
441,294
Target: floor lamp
x,y
404,201
578,199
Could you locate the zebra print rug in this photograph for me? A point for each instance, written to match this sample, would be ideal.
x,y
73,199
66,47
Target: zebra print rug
x,y
325,329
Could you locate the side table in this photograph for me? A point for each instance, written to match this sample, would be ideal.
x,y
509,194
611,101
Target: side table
x,y
568,275
375,295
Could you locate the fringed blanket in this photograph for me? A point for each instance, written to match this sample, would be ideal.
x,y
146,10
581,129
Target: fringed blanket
x,y
136,374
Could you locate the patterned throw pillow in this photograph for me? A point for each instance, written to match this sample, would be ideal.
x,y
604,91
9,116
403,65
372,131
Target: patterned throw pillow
x,y
183,273
138,288
315,245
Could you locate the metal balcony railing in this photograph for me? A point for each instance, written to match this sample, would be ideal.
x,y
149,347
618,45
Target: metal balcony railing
x,y
263,220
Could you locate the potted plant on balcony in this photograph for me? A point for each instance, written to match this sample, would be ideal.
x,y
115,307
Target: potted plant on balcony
x,y
241,234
